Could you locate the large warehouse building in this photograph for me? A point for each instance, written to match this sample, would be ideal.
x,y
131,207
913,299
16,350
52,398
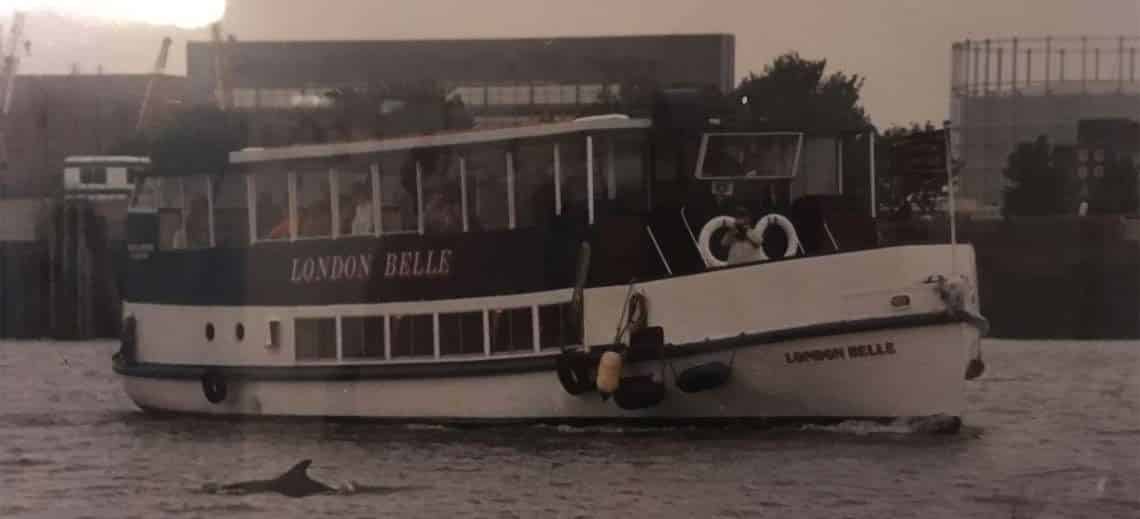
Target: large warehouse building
x,y
500,81
1012,90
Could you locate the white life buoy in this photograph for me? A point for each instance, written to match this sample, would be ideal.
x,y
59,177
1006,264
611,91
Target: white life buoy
x,y
789,230
705,241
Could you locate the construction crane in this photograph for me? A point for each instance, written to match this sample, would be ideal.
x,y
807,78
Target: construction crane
x,y
12,59
159,68
8,81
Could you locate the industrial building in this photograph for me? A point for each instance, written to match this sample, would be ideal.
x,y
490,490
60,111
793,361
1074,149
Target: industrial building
x,y
499,81
1006,91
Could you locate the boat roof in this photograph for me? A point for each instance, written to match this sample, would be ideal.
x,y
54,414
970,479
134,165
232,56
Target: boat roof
x,y
105,159
475,136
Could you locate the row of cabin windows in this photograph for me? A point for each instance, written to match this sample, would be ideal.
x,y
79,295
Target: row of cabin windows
x,y
471,95
428,191
473,333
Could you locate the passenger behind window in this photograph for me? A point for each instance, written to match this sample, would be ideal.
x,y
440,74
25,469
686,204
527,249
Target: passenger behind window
x,y
359,220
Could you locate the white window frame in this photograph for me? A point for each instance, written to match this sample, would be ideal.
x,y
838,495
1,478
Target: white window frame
x,y
557,179
377,212
511,217
463,191
590,177
251,208
334,204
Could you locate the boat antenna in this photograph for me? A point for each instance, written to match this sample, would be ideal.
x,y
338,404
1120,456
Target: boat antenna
x,y
946,129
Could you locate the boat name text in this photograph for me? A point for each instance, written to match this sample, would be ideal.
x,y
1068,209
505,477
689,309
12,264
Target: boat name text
x,y
358,267
840,353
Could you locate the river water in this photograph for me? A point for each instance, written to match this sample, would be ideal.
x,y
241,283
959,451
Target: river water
x,y
1052,430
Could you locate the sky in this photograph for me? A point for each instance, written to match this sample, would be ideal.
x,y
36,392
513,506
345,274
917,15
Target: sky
x,y
902,48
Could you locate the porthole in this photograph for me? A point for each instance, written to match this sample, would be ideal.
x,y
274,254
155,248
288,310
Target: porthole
x,y
239,331
209,331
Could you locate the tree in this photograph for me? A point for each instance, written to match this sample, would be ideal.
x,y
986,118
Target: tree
x,y
793,92
1039,187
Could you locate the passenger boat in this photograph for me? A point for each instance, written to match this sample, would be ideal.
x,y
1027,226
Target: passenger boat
x,y
568,271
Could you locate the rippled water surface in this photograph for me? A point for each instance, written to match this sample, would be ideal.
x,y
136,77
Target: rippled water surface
x,y
1053,430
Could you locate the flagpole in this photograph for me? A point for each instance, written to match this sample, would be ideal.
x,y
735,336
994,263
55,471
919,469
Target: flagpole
x,y
953,210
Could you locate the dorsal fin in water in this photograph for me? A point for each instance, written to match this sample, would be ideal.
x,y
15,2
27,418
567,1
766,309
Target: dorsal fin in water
x,y
300,470
296,481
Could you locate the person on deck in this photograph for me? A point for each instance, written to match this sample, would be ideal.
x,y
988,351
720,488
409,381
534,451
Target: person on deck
x,y
742,240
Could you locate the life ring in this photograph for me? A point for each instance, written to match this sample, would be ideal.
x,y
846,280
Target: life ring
x,y
214,386
705,241
789,230
574,372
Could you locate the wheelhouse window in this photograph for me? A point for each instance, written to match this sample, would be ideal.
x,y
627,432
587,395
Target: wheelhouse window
x,y
354,192
412,335
196,232
314,205
511,330
738,156
442,190
315,339
461,333
231,211
271,211
362,337
399,193
487,186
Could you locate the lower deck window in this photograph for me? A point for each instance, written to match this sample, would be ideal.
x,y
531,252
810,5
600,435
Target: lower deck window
x,y
555,327
461,333
412,336
362,337
511,330
315,339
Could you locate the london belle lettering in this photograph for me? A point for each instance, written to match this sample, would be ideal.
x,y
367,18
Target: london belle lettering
x,y
358,267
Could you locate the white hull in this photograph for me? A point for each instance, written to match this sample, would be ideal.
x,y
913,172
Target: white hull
x,y
918,371
923,377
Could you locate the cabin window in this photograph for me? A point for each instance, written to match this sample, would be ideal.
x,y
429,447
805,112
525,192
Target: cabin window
x,y
399,193
271,214
511,330
315,339
442,190
147,193
231,211
572,175
461,333
534,184
487,187
134,174
362,337
170,204
412,335
196,213
314,205
92,175
354,193
555,327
